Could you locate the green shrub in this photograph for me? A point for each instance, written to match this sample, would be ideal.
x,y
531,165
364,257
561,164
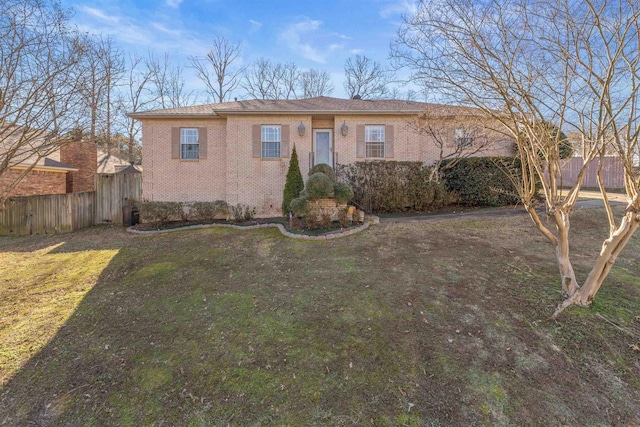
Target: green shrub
x,y
299,206
207,211
325,169
343,192
160,213
483,181
395,187
294,184
319,186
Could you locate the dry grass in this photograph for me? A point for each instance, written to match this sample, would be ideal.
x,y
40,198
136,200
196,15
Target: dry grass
x,y
405,324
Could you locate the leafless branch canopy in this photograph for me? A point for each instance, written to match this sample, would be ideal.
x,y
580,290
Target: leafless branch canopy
x,y
219,70
365,77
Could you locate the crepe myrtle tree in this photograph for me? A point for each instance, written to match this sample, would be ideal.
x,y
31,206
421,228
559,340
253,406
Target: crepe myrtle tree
x,y
533,67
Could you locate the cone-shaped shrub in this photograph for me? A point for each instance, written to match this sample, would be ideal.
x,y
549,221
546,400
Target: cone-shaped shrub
x,y
294,184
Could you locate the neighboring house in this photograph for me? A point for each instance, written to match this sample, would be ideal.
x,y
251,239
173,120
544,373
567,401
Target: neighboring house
x,y
239,151
112,163
69,169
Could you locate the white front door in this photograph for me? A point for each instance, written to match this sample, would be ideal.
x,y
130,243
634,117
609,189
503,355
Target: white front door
x,y
323,146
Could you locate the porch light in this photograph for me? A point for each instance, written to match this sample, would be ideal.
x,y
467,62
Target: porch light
x,y
301,129
344,129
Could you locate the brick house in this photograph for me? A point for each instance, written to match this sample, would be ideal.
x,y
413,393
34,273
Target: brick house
x,y
239,151
70,169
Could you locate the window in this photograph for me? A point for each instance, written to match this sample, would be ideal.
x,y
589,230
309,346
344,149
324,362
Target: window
x,y
271,137
189,146
374,141
464,138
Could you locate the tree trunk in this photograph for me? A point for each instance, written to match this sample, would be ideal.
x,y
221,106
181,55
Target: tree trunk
x,y
569,282
611,248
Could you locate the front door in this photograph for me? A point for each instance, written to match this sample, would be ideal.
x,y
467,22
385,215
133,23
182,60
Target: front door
x,y
323,146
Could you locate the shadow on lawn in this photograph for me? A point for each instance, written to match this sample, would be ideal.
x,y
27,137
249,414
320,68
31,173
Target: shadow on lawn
x,y
225,327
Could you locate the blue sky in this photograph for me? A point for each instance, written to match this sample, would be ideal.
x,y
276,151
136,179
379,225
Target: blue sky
x,y
312,34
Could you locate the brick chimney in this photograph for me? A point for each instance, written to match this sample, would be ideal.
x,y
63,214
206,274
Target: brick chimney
x,y
84,156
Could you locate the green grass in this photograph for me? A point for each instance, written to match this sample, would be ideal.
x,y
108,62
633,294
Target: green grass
x,y
413,324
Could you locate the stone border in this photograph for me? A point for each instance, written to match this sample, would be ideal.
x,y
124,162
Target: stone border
x,y
329,236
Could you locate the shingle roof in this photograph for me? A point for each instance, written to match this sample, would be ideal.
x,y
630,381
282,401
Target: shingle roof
x,y
56,164
318,105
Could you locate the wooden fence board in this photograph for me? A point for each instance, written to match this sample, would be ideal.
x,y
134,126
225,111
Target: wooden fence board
x,y
58,213
612,173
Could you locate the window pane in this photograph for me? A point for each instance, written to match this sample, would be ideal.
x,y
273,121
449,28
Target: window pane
x,y
270,142
190,151
271,133
374,141
189,148
189,135
270,149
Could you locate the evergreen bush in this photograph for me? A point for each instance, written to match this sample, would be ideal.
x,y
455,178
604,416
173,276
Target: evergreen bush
x,y
294,183
395,187
325,169
483,181
319,186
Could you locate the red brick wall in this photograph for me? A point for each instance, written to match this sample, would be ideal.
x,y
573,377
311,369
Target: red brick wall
x,y
84,156
36,182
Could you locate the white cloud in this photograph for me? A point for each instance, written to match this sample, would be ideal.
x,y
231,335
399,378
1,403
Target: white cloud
x,y
140,33
165,30
173,3
395,8
99,14
255,26
356,51
306,37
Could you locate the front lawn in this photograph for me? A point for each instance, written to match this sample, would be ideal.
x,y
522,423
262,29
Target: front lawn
x,y
419,324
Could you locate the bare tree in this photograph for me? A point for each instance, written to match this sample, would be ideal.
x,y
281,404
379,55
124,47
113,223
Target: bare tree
x,y
315,83
219,70
365,77
40,84
409,95
168,83
104,64
455,138
266,80
137,95
536,67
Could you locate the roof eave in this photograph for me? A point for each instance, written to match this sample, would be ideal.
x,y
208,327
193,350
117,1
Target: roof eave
x,y
44,168
143,116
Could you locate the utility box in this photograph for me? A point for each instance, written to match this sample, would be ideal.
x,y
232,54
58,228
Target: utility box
x,y
130,215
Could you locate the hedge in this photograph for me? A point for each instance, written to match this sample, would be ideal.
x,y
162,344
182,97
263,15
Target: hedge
x,y
483,181
394,187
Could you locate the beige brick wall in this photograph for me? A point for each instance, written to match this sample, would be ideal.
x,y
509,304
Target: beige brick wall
x,y
167,179
231,173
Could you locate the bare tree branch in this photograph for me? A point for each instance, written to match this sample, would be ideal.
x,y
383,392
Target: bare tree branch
x,y
218,70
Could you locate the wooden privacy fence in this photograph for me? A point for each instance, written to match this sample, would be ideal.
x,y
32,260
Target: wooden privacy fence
x,y
113,191
612,173
55,213
58,213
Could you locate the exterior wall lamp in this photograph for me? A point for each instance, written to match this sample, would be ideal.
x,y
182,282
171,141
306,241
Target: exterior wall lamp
x,y
344,129
301,129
